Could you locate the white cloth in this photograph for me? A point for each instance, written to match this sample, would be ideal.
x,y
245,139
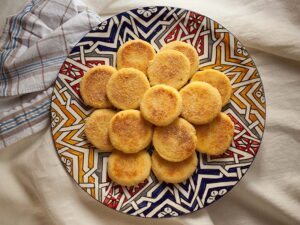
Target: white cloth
x,y
35,189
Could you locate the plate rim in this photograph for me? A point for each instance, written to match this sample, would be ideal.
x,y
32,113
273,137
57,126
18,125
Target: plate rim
x,y
167,216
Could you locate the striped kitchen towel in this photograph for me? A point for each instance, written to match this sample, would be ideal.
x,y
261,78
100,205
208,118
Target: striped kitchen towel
x,y
33,46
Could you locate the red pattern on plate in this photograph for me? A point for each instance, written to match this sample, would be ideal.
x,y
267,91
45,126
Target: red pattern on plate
x,y
75,72
242,143
115,192
188,27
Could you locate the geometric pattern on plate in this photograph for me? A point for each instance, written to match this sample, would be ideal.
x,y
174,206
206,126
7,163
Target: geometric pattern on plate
x,y
215,175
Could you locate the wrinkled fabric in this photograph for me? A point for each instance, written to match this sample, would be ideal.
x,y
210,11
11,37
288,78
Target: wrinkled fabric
x,y
33,46
35,188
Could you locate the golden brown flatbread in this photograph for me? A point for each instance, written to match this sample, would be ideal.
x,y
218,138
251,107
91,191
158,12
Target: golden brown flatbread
x,y
126,88
215,138
175,142
96,129
161,105
216,79
136,54
201,102
173,172
129,169
169,67
93,86
129,132
188,50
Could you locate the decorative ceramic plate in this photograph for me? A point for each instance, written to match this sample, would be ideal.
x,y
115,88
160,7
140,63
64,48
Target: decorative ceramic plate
x,y
215,175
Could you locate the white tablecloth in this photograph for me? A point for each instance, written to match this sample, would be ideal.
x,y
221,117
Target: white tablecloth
x,y
35,188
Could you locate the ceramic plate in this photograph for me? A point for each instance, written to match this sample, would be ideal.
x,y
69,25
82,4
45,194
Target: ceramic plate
x,y
215,175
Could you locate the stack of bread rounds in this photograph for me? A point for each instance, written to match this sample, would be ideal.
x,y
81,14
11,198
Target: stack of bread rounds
x,y
149,99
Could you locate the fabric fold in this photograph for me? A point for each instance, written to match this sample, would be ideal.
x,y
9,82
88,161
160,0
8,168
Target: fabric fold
x,y
33,46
